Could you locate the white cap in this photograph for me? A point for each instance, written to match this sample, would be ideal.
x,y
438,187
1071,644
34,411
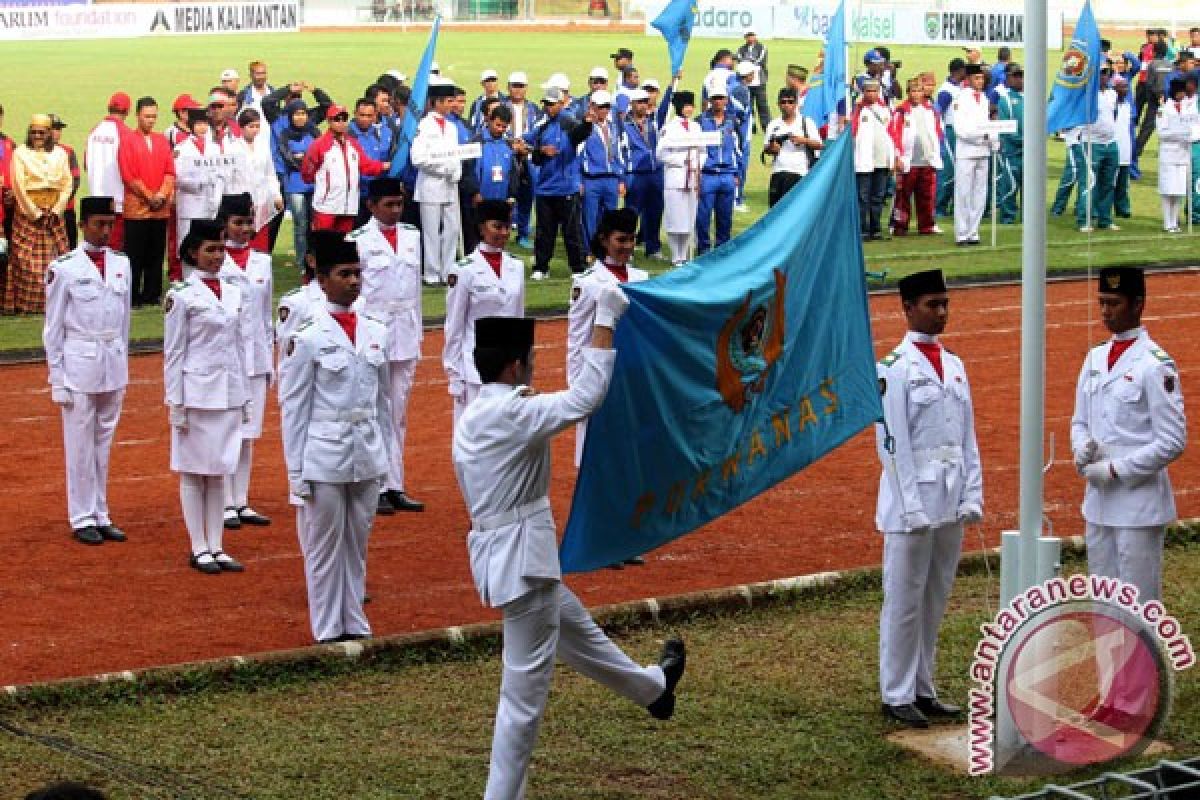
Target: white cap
x,y
716,87
552,94
746,68
638,94
650,83
518,77
489,75
557,81
598,72
397,74
600,98
749,32
434,68
229,75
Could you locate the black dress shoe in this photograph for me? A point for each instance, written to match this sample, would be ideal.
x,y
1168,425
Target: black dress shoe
x,y
249,516
932,707
111,532
673,660
385,506
907,713
88,535
402,502
232,521
227,563
207,566
636,561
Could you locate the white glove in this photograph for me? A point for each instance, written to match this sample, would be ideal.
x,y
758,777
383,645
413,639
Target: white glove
x,y
1086,455
610,306
916,522
970,514
177,416
62,396
457,389
1100,473
299,488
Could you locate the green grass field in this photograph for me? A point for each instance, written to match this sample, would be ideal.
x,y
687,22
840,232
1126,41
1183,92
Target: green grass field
x,y
779,702
73,79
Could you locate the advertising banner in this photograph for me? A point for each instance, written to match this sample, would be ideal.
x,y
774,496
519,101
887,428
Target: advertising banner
x,y
131,20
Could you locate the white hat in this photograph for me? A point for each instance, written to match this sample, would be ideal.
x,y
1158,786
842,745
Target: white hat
x,y
749,32
598,72
518,77
434,68
746,68
397,74
557,81
638,94
552,94
489,75
650,83
716,87
600,98
229,75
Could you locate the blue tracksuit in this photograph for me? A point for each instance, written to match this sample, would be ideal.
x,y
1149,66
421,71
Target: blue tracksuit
x,y
527,173
604,168
376,142
557,176
644,187
718,183
740,105
495,168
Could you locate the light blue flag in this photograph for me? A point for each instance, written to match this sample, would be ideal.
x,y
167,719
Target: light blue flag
x,y
416,103
1077,84
675,24
732,374
827,88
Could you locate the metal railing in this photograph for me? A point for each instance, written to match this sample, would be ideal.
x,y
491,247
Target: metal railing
x,y
1167,780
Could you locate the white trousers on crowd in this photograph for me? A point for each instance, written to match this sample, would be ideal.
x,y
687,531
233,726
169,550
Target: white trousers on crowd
x,y
88,428
1134,555
546,622
402,373
470,392
918,573
333,526
440,223
970,196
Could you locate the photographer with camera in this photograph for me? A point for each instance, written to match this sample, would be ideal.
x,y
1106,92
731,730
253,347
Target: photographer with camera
x,y
793,140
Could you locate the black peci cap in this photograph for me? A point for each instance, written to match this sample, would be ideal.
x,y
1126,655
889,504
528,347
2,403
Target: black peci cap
x,y
1128,281
928,282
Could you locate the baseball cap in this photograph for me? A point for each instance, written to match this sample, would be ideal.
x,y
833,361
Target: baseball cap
x,y
597,73
229,75
638,94
397,74
489,75
650,83
56,122
873,57
119,102
183,102
557,81
716,88
552,95
601,98
336,111
518,77
745,68
622,52
434,68
749,32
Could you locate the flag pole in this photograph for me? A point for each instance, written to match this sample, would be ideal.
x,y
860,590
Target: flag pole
x,y
995,188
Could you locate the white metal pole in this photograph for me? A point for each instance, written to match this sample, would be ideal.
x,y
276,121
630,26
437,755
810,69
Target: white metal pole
x,y
995,185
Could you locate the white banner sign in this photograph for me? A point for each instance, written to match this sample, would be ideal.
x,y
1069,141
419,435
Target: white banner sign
x,y
1006,126
461,152
120,20
701,139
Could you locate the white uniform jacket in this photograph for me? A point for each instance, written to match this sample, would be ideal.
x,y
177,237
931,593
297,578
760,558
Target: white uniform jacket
x,y
971,109
1175,124
931,465
391,285
476,292
920,123
86,334
202,346
199,181
295,308
437,180
501,456
100,160
337,418
1134,412
681,165
581,316
255,284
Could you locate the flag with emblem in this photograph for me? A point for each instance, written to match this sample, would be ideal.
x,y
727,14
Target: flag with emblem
x,y
828,87
732,374
675,24
1077,83
416,103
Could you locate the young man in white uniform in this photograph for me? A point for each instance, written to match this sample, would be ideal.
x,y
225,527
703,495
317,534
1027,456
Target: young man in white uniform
x,y
437,184
972,153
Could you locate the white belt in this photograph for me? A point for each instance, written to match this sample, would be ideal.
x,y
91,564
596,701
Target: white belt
x,y
98,336
344,415
390,306
947,454
491,522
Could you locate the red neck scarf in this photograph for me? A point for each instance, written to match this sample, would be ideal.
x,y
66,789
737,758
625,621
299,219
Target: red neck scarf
x,y
622,271
240,255
1118,347
390,235
214,284
349,322
494,260
932,351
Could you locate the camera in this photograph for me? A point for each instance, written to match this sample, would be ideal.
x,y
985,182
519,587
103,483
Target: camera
x,y
779,139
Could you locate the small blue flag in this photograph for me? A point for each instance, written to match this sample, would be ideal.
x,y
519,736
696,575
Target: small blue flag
x,y
675,24
416,103
732,374
1077,84
827,88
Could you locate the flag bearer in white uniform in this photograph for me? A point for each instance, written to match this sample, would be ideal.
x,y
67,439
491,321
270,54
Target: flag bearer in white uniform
x,y
390,254
681,177
296,306
972,154
931,486
251,272
1127,427
501,457
86,336
204,372
488,283
337,440
436,190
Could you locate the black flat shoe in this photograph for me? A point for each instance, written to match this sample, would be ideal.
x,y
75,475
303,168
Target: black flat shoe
x,y
88,535
227,563
402,502
932,707
207,566
248,516
385,507
111,533
673,661
907,714
232,521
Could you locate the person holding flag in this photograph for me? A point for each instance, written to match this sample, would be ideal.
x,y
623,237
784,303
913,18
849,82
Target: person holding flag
x,y
682,163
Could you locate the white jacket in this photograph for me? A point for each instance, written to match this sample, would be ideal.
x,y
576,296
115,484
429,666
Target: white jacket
x,y
931,468
681,165
920,123
200,180
391,285
1134,412
100,160
476,292
437,180
581,315
873,145
971,108
1176,125
202,346
86,333
255,284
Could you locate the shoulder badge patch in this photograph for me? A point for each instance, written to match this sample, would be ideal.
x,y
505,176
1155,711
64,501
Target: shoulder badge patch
x,y
575,292
1169,383
291,292
452,280
406,226
890,358
49,276
177,285
354,234
1161,355
168,304
284,311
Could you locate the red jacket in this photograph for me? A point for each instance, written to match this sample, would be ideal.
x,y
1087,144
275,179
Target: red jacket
x,y
147,168
334,168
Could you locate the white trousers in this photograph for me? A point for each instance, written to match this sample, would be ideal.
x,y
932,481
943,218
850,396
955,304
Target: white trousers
x,y
1171,206
970,196
681,246
1134,555
440,225
470,392
203,513
918,573
546,622
333,526
402,373
88,428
